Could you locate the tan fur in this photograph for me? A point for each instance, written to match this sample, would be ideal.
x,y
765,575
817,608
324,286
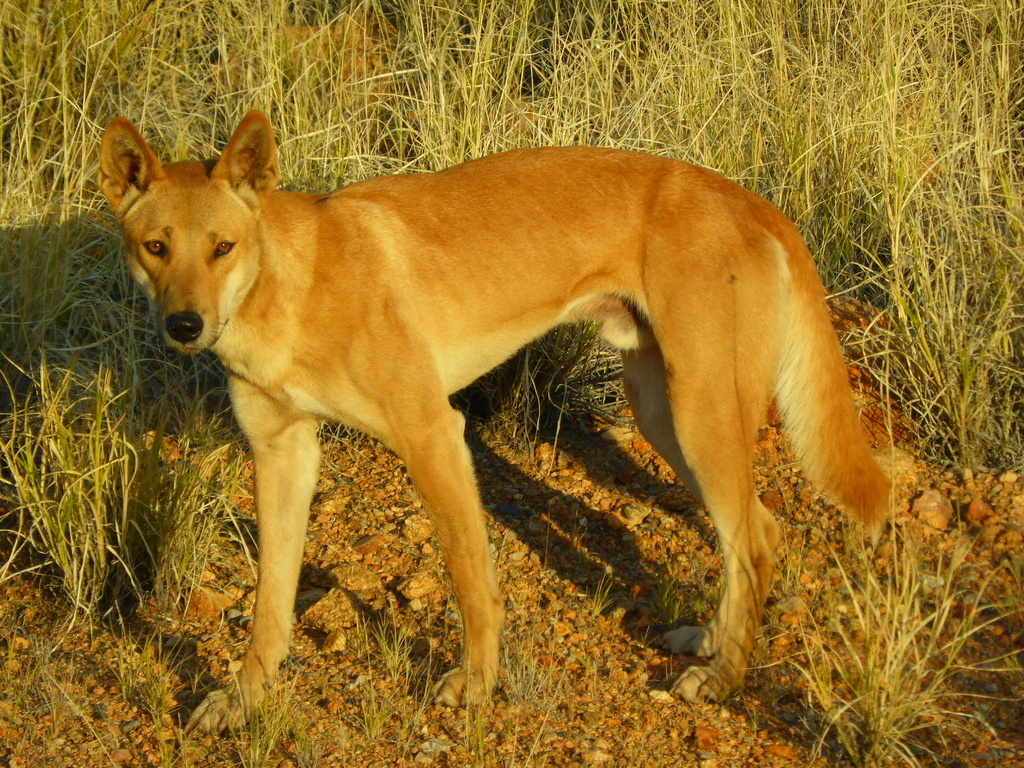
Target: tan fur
x,y
370,305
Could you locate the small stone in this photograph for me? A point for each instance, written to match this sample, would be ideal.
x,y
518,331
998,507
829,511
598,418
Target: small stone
x,y
794,604
121,756
930,581
417,529
791,610
992,528
337,612
419,585
1011,538
933,509
355,683
129,725
364,545
1008,478
433,747
783,752
508,509
978,510
309,597
676,500
206,603
635,514
772,500
706,739
596,757
357,578
335,642
660,695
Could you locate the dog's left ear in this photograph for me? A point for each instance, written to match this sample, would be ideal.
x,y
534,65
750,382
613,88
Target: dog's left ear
x,y
249,161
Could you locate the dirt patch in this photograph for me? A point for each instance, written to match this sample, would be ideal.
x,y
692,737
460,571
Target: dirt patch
x,y
598,552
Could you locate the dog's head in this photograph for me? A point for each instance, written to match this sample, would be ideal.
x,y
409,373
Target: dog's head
x,y
191,229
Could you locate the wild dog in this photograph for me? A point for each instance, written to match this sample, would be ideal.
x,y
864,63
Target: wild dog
x,y
370,305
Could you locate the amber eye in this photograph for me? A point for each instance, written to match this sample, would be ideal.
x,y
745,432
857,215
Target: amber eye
x,y
222,249
156,247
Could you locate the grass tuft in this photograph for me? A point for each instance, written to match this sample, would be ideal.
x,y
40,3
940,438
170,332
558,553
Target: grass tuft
x,y
891,655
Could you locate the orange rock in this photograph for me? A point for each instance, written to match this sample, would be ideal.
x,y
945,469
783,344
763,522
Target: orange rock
x,y
706,738
419,585
933,509
783,751
978,510
206,603
417,529
364,545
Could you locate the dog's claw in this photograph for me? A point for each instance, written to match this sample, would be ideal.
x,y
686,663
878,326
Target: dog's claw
x,y
687,641
457,688
219,710
698,685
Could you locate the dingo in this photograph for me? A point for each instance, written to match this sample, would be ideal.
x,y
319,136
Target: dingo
x,y
370,305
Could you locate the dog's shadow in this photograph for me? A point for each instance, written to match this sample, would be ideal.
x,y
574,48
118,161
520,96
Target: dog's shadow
x,y
585,546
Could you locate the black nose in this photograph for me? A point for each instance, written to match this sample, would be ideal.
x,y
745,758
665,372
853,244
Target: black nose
x,y
184,326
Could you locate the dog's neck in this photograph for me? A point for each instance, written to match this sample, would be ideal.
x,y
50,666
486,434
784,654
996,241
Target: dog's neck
x,y
266,314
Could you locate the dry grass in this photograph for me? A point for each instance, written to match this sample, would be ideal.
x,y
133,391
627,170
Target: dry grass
x,y
883,668
891,132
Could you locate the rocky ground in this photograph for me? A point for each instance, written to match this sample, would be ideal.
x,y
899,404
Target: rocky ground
x,y
597,551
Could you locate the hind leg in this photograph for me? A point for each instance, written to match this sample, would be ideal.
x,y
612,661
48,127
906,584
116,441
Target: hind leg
x,y
748,541
706,432
643,378
721,455
716,427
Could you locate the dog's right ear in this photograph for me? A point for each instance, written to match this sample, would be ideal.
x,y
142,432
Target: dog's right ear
x,y
127,165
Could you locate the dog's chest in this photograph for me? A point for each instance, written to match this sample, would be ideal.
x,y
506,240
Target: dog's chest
x,y
314,403
341,405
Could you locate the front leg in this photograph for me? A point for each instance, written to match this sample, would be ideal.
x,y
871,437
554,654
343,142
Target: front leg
x,y
286,459
435,452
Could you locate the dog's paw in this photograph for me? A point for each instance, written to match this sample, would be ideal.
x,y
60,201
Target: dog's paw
x,y
458,688
221,709
698,685
688,641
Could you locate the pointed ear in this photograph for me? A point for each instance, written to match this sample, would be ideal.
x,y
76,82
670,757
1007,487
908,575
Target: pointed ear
x,y
249,162
127,164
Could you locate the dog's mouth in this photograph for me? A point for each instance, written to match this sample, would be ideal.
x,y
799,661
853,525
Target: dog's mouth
x,y
185,348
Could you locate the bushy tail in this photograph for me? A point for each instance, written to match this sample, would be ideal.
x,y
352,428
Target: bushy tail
x,y
814,396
